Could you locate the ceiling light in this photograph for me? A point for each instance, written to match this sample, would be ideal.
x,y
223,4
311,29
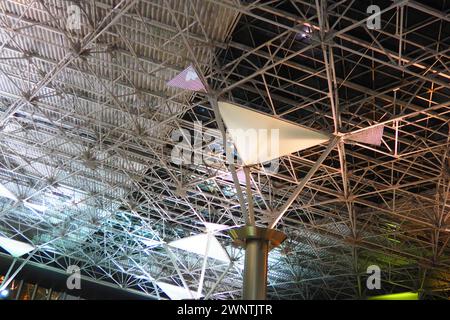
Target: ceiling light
x,y
4,293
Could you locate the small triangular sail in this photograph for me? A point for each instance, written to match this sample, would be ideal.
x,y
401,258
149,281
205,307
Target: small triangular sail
x,y
176,292
197,244
14,247
4,192
188,79
371,135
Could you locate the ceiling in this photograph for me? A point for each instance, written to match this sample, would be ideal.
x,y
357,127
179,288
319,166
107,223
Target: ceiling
x,y
87,126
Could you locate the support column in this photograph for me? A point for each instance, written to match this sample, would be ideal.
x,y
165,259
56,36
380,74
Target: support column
x,y
257,242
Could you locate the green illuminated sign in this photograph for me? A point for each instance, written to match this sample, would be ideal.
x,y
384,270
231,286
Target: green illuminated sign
x,y
397,296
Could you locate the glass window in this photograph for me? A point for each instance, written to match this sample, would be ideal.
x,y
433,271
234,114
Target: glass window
x,y
56,295
41,294
27,291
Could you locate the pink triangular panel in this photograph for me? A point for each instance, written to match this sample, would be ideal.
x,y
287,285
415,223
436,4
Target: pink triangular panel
x,y
240,174
370,136
188,79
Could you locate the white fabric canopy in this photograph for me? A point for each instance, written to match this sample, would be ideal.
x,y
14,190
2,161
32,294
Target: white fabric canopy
x,y
176,292
14,247
151,242
259,138
4,192
213,227
197,244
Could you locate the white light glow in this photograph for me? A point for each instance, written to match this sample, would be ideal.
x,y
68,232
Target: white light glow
x,y
14,247
4,293
197,244
259,138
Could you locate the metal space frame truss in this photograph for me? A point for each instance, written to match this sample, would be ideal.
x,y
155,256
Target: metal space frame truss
x,y
86,125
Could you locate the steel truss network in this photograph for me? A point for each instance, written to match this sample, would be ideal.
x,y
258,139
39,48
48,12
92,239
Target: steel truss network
x,y
87,122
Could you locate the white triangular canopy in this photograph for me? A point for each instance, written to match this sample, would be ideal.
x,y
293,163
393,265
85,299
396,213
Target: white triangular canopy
x,y
4,192
197,244
14,247
259,138
213,227
176,292
151,242
36,207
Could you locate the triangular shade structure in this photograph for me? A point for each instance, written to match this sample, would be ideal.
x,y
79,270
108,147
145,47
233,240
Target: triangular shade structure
x,y
188,79
151,242
240,174
6,193
176,292
36,207
197,244
259,138
14,247
369,136
213,227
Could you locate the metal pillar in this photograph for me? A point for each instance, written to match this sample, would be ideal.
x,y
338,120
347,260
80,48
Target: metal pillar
x,y
257,242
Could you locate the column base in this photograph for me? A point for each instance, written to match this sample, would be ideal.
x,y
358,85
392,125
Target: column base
x,y
257,242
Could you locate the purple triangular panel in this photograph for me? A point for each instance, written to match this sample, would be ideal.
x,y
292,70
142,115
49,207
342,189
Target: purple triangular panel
x,y
369,136
188,79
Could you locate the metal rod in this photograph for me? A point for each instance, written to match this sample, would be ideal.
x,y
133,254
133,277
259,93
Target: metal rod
x,y
202,274
6,283
305,180
251,211
255,270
